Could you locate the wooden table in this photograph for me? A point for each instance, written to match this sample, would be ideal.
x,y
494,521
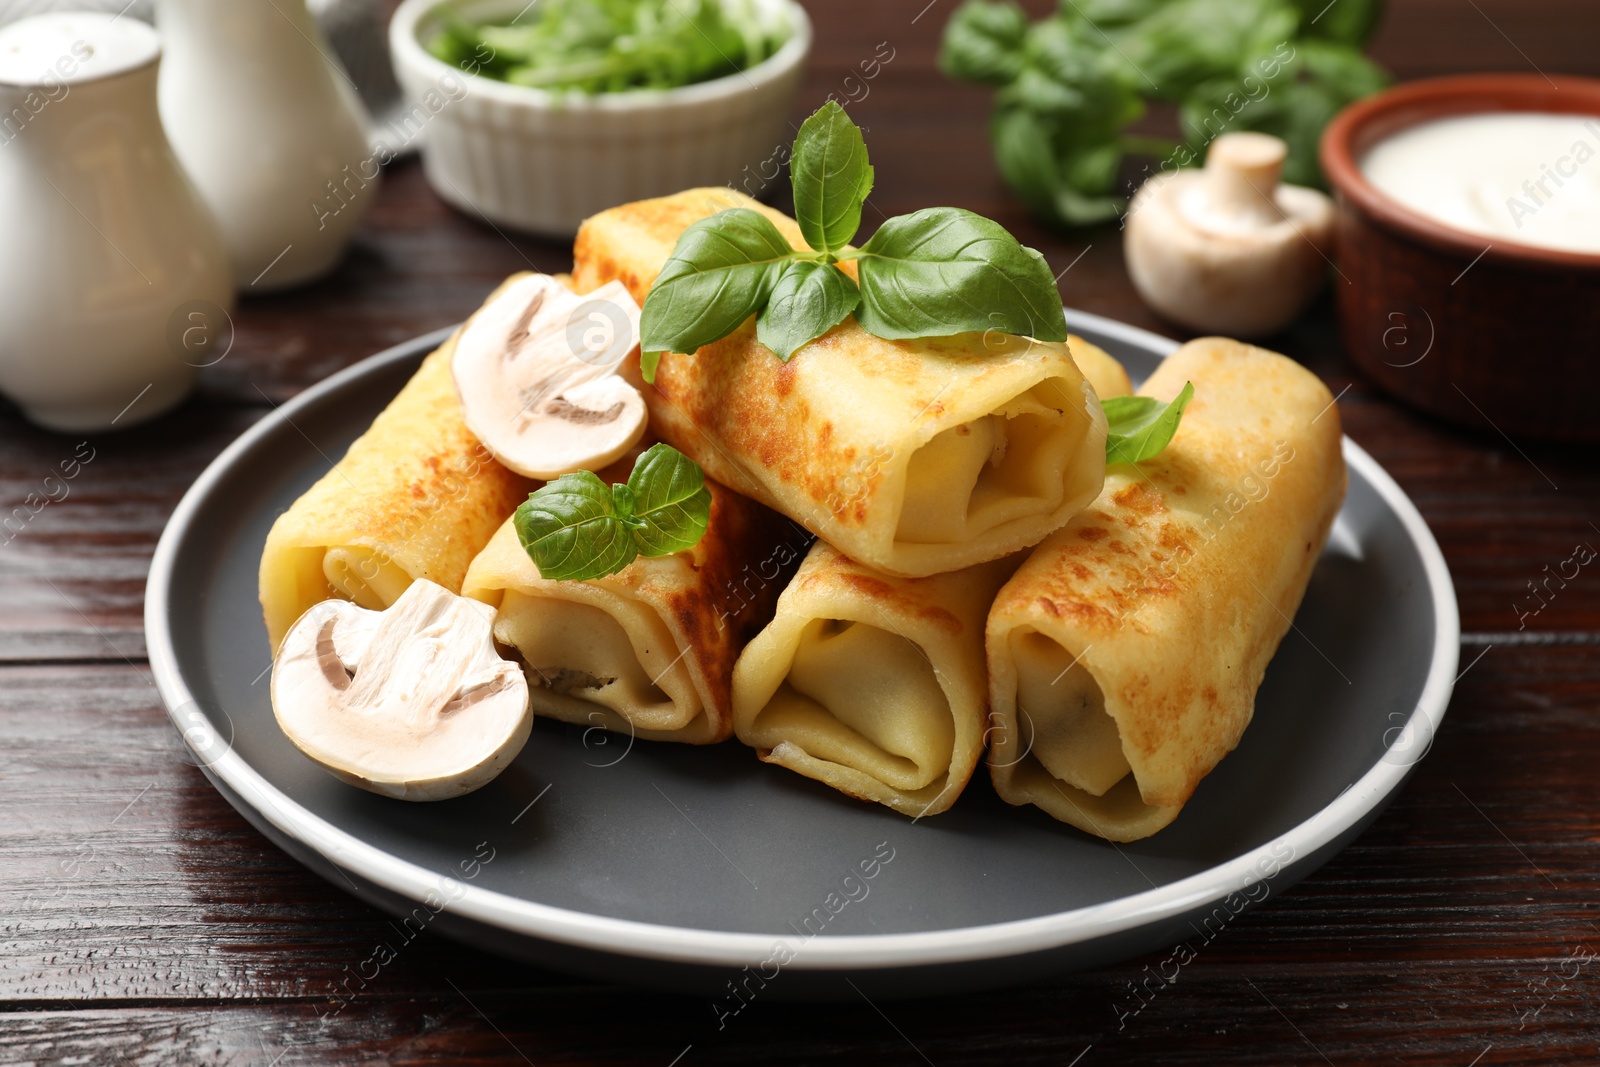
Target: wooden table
x,y
145,922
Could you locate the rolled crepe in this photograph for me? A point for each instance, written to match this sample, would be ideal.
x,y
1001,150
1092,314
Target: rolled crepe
x,y
1105,374
872,684
416,496
1125,655
648,651
914,457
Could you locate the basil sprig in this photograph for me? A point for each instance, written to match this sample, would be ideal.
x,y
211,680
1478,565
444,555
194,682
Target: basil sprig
x,y
577,527
937,272
720,273
1139,427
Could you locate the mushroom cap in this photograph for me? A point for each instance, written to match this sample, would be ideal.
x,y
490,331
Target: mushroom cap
x,y
411,702
536,373
1227,249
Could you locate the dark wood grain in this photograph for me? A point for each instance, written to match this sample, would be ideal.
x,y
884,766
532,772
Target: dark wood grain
x,y
143,921
134,891
72,573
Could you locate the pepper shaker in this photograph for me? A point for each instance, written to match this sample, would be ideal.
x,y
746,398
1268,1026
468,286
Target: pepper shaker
x,y
114,281
270,129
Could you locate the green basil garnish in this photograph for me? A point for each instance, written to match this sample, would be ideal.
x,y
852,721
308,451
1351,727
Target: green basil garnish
x,y
831,178
720,273
943,270
934,273
809,300
577,527
1139,427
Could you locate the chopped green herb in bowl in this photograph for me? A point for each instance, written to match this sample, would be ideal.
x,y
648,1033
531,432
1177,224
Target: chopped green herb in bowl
x,y
540,113
610,46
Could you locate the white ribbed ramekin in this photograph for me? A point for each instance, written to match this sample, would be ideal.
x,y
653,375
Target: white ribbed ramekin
x,y
545,161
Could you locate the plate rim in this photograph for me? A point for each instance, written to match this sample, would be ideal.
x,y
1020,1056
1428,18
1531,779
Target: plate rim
x,y
714,948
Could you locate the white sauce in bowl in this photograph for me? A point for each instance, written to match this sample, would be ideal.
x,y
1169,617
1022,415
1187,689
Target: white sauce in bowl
x,y
1528,177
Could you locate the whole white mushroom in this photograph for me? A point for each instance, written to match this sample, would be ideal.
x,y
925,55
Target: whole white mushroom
x,y
1226,249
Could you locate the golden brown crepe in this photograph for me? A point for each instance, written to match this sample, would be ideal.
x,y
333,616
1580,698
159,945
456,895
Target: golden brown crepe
x,y
914,457
416,496
1105,374
1125,655
648,651
870,683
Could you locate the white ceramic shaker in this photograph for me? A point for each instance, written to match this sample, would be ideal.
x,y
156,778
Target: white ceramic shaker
x,y
114,281
271,131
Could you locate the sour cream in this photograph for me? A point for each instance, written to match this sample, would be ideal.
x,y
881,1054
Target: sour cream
x,y
1528,177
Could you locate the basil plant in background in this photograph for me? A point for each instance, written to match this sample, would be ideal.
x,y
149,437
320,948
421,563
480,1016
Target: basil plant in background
x,y
933,273
1069,86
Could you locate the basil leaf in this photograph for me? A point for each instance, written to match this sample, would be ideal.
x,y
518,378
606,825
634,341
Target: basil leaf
x,y
1084,198
983,42
571,530
720,273
1296,98
1348,22
1187,42
1027,163
648,362
1098,16
577,527
1065,75
809,300
670,499
623,503
1342,70
943,270
1139,427
831,177
1077,190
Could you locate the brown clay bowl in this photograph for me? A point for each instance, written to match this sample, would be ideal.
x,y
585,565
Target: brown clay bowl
x,y
1503,339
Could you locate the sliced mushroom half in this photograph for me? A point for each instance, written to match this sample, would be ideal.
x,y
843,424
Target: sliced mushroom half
x,y
536,371
412,702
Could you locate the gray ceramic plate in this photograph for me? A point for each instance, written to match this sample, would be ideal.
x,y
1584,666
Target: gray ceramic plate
x,y
677,866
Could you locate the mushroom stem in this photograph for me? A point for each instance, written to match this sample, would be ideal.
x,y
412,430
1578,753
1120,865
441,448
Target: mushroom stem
x,y
1241,178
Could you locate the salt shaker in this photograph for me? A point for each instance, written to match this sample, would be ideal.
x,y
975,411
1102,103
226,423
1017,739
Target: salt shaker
x,y
271,131
114,281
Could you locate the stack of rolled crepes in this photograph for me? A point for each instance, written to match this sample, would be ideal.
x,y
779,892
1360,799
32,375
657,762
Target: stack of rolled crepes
x,y
922,466
876,684
978,577
648,650
938,476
